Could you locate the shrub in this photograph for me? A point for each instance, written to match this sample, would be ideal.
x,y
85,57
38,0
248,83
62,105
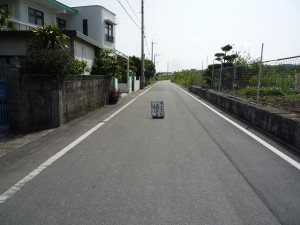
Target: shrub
x,y
264,91
76,67
106,64
54,62
114,95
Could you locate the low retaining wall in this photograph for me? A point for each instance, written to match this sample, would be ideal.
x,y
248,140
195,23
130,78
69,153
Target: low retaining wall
x,y
78,97
279,124
39,103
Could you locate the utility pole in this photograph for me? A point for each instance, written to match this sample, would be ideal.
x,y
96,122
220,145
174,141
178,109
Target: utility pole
x,y
142,53
152,50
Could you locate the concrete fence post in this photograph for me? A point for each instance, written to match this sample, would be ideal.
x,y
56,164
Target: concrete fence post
x,y
297,82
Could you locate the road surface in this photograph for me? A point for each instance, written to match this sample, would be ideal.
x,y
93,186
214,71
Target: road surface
x,y
192,167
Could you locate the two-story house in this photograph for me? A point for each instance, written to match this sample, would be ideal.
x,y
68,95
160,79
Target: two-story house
x,y
89,27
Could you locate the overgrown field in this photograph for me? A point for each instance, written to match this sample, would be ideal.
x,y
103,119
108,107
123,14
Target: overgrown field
x,y
275,91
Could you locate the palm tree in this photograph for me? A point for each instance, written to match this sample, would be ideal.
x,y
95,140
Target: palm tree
x,y
48,37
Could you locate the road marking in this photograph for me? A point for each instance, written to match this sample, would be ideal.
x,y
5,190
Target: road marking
x,y
14,189
261,141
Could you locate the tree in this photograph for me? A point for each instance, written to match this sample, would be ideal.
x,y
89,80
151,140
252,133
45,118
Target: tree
x,y
149,69
106,64
48,53
226,59
123,66
5,19
48,36
136,65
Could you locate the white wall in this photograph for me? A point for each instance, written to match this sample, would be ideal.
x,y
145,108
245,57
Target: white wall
x,y
49,16
136,85
84,52
107,15
96,16
93,15
123,87
126,87
20,10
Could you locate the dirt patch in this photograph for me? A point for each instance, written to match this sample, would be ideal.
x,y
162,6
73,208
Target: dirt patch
x,y
285,103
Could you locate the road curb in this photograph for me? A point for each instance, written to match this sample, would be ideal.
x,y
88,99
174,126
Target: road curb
x,y
279,124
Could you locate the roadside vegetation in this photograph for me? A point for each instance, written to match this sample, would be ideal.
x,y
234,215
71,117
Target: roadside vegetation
x,y
48,53
5,19
276,81
188,78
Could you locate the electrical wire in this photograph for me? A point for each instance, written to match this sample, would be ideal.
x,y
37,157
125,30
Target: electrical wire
x,y
129,15
133,11
147,45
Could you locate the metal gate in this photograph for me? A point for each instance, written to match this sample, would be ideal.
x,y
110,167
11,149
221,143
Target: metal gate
x,y
4,120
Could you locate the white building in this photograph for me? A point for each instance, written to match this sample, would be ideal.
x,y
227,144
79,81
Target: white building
x,y
89,27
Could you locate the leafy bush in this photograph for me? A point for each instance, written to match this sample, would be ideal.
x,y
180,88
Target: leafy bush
x,y
48,36
76,67
114,95
5,19
54,62
47,53
106,64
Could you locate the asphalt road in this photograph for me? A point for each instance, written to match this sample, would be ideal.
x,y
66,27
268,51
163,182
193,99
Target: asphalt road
x,y
192,167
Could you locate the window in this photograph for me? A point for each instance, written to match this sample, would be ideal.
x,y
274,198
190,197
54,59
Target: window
x,y
61,23
109,35
85,27
36,17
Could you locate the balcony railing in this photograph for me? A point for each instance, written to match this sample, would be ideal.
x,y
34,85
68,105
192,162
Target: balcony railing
x,y
109,38
23,25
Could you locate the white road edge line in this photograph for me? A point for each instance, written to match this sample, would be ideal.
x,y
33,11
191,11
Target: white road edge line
x,y
16,187
264,143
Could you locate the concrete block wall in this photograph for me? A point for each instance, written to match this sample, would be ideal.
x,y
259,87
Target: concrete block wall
x,y
82,96
44,104
13,97
279,124
39,106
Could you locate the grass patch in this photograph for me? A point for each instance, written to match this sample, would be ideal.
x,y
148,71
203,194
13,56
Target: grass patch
x,y
264,91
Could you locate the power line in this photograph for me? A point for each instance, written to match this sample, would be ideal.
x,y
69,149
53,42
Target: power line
x,y
129,15
146,45
133,11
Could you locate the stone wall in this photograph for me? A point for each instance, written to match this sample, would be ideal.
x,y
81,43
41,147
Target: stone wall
x,y
281,125
36,103
82,96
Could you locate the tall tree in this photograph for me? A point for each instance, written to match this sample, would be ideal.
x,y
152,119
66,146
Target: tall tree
x,y
5,19
223,57
149,69
106,64
136,65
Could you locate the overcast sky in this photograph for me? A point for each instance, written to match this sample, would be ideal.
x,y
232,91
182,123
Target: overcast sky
x,y
188,33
